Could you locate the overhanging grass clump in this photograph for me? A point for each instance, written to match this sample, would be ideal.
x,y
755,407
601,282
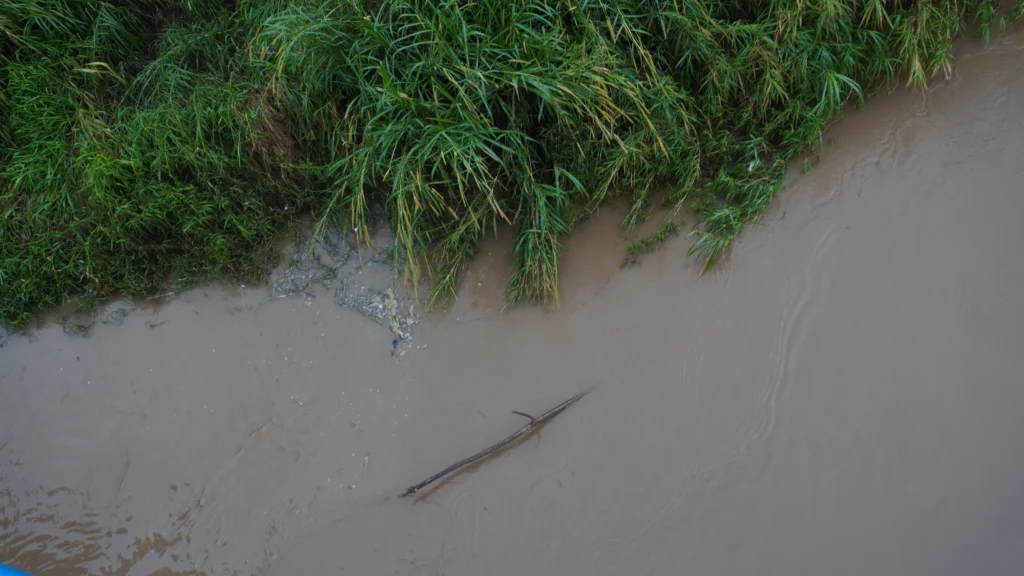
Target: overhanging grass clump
x,y
147,142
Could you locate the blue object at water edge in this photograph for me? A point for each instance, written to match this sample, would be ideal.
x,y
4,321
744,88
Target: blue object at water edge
x,y
8,571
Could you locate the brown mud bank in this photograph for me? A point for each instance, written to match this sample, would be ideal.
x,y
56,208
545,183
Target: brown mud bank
x,y
843,396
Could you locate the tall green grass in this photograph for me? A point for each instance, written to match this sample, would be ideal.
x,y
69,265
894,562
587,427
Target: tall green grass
x,y
146,142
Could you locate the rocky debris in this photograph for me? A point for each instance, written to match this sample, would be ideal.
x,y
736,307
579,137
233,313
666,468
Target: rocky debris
x,y
361,278
118,312
385,309
309,265
77,328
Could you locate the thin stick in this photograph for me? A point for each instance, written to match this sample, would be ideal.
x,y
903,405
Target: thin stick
x,y
532,419
534,423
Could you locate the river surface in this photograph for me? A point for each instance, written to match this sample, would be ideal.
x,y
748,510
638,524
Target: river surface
x,y
843,395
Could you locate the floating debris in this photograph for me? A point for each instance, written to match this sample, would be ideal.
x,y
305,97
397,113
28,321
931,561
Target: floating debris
x,y
518,434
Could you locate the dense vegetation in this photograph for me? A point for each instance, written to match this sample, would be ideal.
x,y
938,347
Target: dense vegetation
x,y
152,141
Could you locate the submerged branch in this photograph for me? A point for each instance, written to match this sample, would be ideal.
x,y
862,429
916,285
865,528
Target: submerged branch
x,y
534,423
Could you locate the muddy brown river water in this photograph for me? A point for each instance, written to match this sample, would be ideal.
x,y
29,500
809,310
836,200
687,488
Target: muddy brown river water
x,y
844,395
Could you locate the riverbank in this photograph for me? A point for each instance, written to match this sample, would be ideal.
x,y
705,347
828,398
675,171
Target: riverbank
x,y
842,397
147,147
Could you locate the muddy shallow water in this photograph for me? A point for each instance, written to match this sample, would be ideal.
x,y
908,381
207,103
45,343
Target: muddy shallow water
x,y
842,396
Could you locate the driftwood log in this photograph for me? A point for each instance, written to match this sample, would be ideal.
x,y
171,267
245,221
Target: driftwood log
x,y
534,423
